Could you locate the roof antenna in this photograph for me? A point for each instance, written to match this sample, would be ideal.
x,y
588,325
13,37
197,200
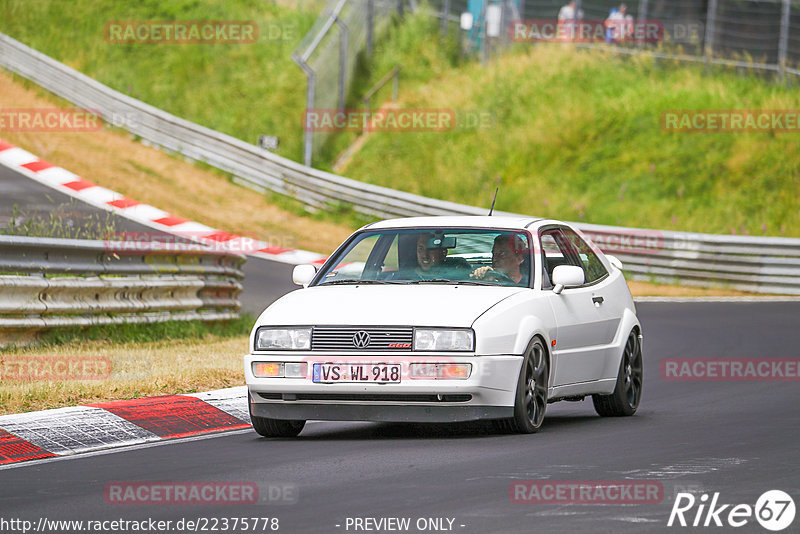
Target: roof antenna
x,y
493,201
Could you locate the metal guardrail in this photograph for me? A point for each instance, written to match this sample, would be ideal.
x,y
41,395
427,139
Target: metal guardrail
x,y
757,264
46,283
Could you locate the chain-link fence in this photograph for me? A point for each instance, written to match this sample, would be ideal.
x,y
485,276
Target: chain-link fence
x,y
328,55
760,34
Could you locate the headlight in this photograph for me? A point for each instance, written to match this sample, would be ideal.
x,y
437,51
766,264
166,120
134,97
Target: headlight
x,y
440,339
283,339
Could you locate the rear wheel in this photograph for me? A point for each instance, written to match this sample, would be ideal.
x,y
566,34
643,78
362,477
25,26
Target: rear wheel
x,y
628,390
274,428
531,398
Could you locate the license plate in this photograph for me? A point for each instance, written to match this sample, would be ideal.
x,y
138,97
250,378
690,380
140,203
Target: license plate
x,y
356,372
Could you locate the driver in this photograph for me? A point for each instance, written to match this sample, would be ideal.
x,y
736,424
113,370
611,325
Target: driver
x,y
508,253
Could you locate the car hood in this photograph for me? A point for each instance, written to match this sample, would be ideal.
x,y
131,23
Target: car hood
x,y
412,305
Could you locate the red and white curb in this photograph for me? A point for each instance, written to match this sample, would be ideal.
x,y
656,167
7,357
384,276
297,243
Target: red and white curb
x,y
93,427
71,184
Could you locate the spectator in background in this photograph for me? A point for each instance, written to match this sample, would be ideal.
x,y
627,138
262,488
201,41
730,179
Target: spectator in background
x,y
619,25
568,18
611,24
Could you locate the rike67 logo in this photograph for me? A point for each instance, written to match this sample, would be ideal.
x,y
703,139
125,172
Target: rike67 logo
x,y
774,510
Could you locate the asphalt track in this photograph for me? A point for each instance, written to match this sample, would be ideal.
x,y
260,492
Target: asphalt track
x,y
736,438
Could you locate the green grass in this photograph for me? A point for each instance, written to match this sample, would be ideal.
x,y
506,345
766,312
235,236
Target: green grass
x,y
145,332
66,220
576,134
240,89
577,137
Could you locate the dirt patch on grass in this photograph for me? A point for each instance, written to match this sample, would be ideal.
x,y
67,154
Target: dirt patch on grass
x,y
114,160
134,370
647,289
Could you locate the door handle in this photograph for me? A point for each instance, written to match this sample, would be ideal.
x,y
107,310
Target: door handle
x,y
597,300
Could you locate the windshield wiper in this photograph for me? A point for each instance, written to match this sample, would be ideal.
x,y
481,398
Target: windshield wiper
x,y
448,281
360,282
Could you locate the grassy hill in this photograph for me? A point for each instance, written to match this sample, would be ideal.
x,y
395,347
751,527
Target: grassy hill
x,y
576,134
240,89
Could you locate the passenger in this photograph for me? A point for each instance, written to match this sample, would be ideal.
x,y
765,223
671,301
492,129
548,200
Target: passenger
x,y
508,259
432,262
429,259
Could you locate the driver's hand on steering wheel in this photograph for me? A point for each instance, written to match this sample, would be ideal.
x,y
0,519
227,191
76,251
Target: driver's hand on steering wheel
x,y
481,272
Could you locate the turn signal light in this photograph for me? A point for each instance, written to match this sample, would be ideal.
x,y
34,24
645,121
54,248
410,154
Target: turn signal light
x,y
439,371
268,370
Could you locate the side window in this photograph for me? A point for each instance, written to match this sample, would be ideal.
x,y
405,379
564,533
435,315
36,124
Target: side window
x,y
591,264
390,262
551,256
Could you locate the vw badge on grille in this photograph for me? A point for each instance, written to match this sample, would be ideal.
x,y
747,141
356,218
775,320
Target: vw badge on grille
x,y
361,339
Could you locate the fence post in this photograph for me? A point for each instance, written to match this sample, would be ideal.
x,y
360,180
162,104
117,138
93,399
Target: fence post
x,y
400,7
711,18
342,61
445,15
308,135
370,25
311,82
642,19
783,41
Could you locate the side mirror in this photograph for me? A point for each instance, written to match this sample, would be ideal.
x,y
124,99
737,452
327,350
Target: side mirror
x,y
613,260
566,276
303,274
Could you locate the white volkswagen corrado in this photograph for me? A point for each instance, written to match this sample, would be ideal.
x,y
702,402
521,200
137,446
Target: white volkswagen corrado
x,y
441,319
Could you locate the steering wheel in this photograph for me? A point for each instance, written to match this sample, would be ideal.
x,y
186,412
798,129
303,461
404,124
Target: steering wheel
x,y
402,275
499,276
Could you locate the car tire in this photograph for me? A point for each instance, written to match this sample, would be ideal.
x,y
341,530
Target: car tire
x,y
531,396
624,401
275,428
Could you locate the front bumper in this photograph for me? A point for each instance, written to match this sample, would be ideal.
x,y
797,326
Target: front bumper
x,y
488,393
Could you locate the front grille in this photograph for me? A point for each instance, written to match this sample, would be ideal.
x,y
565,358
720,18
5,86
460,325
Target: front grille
x,y
380,338
369,397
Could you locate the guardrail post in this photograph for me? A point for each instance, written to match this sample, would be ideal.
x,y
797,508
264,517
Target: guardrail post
x,y
711,18
783,41
445,16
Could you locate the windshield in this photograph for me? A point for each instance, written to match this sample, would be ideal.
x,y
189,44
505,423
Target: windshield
x,y
433,256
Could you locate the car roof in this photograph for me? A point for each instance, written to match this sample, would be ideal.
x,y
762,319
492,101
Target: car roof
x,y
459,221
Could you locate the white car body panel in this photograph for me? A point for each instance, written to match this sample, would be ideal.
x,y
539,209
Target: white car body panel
x,y
585,340
429,305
